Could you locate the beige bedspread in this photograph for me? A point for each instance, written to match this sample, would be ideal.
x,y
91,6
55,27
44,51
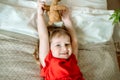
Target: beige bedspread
x,y
98,61
16,57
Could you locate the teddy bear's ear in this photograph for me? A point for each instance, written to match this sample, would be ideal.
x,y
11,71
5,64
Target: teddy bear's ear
x,y
46,7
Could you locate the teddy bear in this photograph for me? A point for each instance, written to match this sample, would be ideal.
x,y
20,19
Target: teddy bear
x,y
53,11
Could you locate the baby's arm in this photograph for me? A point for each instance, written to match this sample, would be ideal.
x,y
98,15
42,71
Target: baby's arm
x,y
68,24
43,34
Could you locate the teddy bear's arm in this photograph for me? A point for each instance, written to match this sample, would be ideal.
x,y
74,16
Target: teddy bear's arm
x,y
59,7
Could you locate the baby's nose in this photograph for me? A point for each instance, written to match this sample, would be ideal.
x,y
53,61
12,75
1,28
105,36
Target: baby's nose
x,y
64,48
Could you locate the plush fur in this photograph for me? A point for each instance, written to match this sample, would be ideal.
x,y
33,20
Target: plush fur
x,y
53,11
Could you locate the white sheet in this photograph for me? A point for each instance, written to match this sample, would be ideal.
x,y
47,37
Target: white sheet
x,y
92,25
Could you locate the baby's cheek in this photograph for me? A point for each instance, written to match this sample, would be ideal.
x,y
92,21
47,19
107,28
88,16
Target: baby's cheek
x,y
70,50
55,50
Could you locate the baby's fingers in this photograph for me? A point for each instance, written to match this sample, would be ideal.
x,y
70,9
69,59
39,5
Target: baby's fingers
x,y
40,6
40,3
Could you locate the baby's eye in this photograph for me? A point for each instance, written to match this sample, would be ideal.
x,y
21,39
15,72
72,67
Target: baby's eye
x,y
58,45
67,44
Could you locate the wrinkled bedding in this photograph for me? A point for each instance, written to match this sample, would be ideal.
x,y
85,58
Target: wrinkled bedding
x,y
19,40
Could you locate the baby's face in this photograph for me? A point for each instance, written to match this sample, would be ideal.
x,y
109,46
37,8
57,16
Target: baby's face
x,y
61,47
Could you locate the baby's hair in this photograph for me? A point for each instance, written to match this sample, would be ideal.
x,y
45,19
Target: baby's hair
x,y
57,31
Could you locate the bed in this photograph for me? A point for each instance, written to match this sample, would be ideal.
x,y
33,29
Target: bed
x,y
95,32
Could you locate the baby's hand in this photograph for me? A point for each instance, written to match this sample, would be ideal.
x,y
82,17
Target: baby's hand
x,y
40,7
65,15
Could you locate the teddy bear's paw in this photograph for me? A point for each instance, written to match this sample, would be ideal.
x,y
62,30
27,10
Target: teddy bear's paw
x,y
50,23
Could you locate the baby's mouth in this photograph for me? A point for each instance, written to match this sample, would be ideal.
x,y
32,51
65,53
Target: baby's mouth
x,y
64,53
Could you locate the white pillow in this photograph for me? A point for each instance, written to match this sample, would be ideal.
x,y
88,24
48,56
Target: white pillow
x,y
20,3
96,4
17,16
92,25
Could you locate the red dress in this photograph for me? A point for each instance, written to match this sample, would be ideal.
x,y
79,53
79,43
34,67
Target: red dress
x,y
61,69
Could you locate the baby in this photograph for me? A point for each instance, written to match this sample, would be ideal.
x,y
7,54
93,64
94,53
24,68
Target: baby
x,y
58,49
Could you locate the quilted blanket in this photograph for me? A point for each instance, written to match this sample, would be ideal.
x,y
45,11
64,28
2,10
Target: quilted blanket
x,y
16,57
